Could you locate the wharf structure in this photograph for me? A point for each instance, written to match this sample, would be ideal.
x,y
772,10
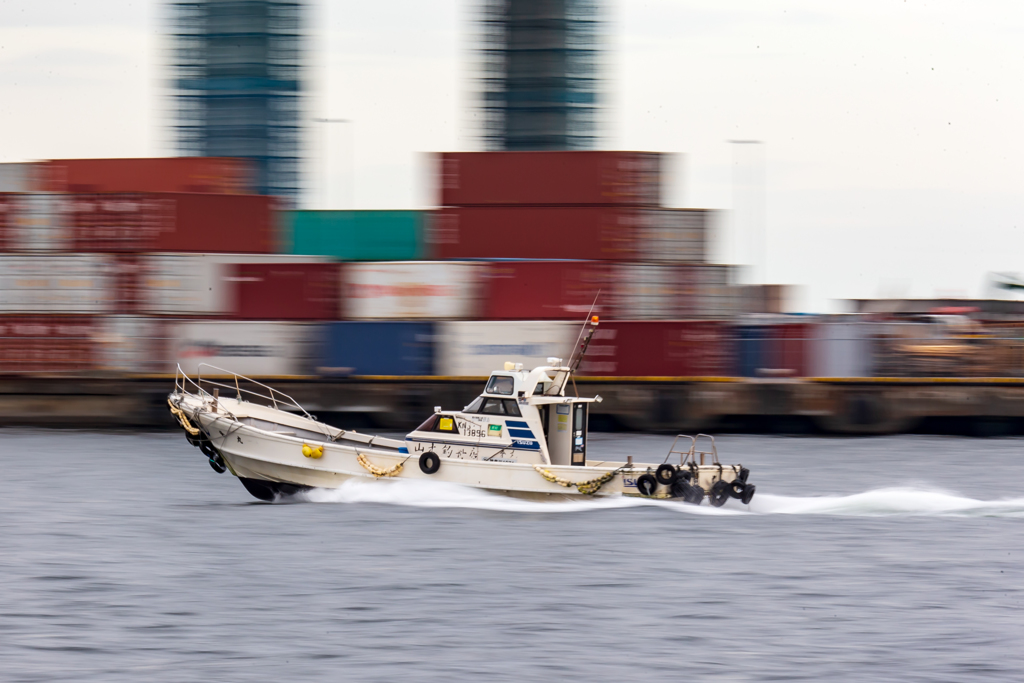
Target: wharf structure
x,y
539,81
237,82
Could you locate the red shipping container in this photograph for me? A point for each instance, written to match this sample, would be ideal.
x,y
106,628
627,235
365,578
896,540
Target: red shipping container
x,y
546,290
789,349
8,205
591,233
285,291
216,175
174,222
531,178
243,224
47,344
119,222
659,349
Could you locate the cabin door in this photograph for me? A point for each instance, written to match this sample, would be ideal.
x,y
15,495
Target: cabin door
x,y
567,433
579,434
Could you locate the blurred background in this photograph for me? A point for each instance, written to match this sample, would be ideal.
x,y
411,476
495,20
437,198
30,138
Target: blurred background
x,y
376,206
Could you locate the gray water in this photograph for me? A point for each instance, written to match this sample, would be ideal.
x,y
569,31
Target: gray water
x,y
126,558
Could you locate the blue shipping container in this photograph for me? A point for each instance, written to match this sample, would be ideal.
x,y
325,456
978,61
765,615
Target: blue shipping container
x,y
376,348
752,349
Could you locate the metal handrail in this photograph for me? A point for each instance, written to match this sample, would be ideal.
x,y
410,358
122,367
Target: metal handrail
x,y
273,395
690,455
683,455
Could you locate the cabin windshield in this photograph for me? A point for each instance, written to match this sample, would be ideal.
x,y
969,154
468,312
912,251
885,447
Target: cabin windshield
x,y
501,385
494,406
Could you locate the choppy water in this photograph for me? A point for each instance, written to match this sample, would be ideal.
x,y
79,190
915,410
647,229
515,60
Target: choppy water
x,y
125,558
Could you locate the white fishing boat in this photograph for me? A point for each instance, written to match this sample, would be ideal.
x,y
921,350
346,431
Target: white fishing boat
x,y
523,436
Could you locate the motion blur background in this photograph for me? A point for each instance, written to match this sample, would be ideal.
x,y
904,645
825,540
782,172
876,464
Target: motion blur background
x,y
821,224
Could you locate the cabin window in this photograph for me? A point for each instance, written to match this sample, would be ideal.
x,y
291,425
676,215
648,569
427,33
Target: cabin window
x,y
511,407
428,425
503,386
474,407
493,406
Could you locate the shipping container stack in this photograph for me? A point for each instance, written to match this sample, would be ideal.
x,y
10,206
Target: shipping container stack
x,y
560,232
523,246
133,266
129,266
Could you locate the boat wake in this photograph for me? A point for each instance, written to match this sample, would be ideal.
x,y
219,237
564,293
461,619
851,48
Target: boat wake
x,y
884,502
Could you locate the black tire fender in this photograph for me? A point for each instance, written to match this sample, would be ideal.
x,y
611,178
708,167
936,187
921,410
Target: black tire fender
x,y
646,484
748,493
206,449
695,495
217,463
736,489
430,462
665,474
687,492
720,492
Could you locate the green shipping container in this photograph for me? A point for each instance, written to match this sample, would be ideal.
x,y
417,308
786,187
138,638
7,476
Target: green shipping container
x,y
355,235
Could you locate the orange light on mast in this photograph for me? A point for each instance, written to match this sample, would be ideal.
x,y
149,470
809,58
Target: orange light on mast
x,y
593,320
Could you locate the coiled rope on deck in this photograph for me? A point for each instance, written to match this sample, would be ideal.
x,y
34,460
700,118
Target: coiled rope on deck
x,y
587,488
378,471
180,414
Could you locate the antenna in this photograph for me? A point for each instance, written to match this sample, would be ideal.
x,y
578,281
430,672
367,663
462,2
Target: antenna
x,y
581,348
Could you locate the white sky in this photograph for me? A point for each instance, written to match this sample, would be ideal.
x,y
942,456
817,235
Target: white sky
x,y
891,154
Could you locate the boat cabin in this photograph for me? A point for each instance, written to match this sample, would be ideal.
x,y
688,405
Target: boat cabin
x,y
521,416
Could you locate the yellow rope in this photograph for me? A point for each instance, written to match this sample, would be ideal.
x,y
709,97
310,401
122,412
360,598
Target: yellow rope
x,y
587,488
378,471
180,414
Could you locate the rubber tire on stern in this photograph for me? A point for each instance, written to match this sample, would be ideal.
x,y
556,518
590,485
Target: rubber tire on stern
x,y
430,462
720,493
665,474
737,489
686,491
646,484
748,493
695,496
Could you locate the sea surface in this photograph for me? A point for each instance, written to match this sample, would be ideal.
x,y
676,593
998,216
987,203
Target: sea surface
x,y
124,557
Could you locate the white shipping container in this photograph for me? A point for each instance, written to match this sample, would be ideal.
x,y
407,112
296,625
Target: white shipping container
x,y
18,177
841,349
253,349
132,345
713,296
40,222
476,348
432,290
182,284
676,235
56,283
648,292
198,284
